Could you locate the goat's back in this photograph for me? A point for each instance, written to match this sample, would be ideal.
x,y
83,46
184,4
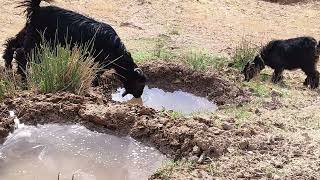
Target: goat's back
x,y
290,53
61,23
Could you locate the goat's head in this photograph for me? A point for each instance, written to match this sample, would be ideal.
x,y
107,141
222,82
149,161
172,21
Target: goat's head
x,y
135,83
253,68
132,77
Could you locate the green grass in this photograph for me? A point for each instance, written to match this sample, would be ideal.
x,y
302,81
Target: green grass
x,y
57,68
156,54
258,89
244,52
240,114
199,60
173,166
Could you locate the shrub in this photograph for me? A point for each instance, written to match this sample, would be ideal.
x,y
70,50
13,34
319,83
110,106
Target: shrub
x,y
61,68
244,52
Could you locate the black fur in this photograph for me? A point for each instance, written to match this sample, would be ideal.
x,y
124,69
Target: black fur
x,y
11,45
67,26
296,53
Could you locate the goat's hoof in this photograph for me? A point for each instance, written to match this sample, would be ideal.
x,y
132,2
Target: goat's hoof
x,y
314,86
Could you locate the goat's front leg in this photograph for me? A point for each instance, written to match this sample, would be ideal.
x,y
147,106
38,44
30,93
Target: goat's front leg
x,y
312,80
277,76
29,43
21,63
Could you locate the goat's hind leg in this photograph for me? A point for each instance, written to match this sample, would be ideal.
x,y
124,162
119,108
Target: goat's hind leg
x,y
277,76
10,46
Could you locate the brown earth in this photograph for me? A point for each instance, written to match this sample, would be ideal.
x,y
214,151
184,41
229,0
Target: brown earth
x,y
173,137
173,76
271,133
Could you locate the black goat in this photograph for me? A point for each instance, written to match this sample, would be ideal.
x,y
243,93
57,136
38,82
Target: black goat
x,y
296,53
57,24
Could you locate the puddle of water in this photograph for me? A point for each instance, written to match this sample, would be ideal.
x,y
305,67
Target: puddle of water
x,y
37,153
178,101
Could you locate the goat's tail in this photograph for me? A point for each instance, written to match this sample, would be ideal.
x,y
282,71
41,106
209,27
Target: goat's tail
x,y
32,5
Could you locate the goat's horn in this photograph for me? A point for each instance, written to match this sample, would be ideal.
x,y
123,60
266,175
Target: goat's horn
x,y
139,71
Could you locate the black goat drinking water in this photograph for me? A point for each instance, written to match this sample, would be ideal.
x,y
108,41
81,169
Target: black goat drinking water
x,y
296,53
62,25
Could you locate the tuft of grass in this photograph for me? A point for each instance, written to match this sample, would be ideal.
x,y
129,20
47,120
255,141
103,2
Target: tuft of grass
x,y
61,68
173,166
9,84
156,54
258,89
199,60
244,52
240,114
172,114
160,51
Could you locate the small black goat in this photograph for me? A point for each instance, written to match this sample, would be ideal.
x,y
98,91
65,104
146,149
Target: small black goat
x,y
296,53
62,25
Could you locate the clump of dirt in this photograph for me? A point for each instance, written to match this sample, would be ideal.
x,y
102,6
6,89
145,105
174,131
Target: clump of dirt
x,y
172,76
6,125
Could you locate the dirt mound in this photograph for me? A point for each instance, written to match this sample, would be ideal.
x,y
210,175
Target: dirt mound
x,y
182,137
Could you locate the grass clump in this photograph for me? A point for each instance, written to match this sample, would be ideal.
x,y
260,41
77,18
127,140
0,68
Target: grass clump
x,y
9,84
199,60
159,52
258,89
172,167
244,52
61,68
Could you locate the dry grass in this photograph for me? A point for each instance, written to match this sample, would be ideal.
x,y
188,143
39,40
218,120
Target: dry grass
x,y
9,84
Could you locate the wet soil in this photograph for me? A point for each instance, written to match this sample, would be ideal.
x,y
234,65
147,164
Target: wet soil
x,y
173,76
175,137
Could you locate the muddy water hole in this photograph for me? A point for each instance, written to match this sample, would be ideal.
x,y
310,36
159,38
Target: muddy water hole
x,y
101,133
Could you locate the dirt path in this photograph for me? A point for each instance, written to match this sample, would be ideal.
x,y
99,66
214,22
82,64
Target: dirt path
x,y
215,25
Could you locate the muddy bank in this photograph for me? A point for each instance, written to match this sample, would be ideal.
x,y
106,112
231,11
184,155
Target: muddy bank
x,y
182,137
172,76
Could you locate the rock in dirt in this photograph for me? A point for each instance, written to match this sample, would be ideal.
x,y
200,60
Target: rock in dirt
x,y
227,126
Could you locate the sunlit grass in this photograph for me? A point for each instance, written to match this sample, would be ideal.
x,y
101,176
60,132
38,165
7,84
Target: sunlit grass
x,y
200,60
61,68
244,52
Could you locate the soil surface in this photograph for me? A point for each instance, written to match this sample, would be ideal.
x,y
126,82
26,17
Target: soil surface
x,y
261,130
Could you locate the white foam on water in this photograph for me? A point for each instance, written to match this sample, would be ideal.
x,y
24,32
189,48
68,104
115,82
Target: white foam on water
x,y
17,123
42,152
179,101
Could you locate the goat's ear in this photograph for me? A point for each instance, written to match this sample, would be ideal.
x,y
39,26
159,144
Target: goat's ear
x,y
245,67
129,54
